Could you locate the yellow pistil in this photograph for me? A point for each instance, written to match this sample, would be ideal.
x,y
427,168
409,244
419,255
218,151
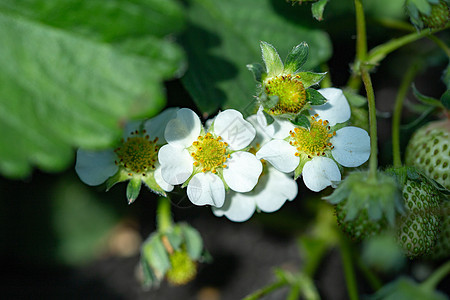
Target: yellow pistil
x,y
209,153
138,154
290,91
313,141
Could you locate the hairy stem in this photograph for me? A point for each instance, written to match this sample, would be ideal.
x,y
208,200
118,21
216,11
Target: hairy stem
x,y
373,163
267,289
349,271
164,215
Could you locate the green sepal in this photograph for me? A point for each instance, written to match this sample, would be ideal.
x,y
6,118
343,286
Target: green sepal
x,y
193,241
120,176
405,288
150,182
298,171
296,58
314,97
425,99
257,71
269,118
309,78
149,279
269,102
133,189
317,9
156,256
301,120
274,65
354,99
175,237
445,99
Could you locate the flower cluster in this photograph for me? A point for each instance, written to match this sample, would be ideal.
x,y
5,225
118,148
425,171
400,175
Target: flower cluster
x,y
241,165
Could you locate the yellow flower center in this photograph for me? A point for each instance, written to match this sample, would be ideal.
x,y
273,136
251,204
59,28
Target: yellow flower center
x,y
290,91
313,141
209,153
183,268
138,154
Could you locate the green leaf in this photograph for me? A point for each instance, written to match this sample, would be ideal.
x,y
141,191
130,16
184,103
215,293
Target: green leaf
x,y
309,78
133,189
257,70
224,37
314,97
296,58
425,99
301,120
151,183
445,99
317,9
272,61
73,71
193,240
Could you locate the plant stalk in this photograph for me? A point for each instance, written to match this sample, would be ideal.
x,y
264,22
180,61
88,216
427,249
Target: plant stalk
x,y
396,118
164,215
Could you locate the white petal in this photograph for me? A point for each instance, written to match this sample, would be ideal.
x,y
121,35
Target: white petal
x,y
273,189
336,110
206,189
233,129
156,126
319,173
238,207
160,181
279,129
176,164
130,128
242,171
261,136
279,154
351,146
184,129
94,167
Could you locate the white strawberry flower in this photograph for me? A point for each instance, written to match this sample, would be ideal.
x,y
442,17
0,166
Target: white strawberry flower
x,y
269,195
316,152
209,162
135,158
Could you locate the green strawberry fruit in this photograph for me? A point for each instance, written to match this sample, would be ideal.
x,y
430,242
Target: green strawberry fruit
x,y
361,227
438,17
429,150
418,228
442,248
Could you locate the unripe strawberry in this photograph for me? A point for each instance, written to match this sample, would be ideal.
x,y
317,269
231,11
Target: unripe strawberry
x,y
429,150
361,227
419,227
442,248
438,17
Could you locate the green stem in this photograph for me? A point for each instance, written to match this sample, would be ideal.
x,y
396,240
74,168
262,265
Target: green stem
x,y
373,163
436,277
378,53
396,118
349,272
267,290
361,38
373,280
164,215
441,44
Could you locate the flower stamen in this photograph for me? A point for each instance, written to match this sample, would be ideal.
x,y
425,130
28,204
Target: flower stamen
x,y
313,141
290,91
209,153
137,154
